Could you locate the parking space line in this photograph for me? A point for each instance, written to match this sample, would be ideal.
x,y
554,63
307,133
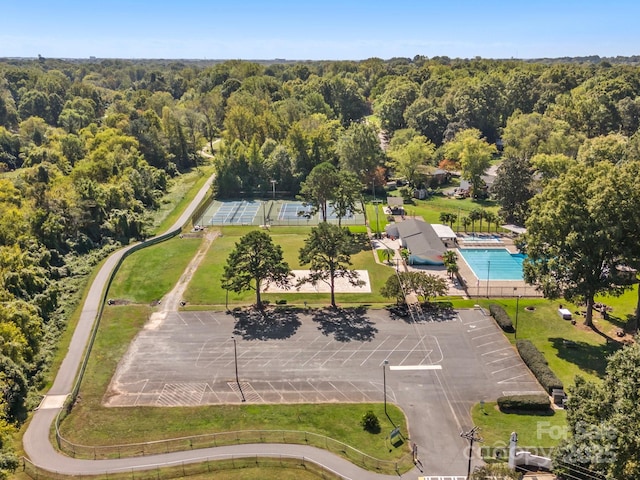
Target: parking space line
x,y
374,351
310,358
419,342
314,387
489,343
396,347
338,390
365,396
494,351
505,368
483,335
508,380
334,354
498,360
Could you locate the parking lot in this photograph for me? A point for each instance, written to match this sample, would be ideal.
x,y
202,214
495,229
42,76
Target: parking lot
x,y
436,369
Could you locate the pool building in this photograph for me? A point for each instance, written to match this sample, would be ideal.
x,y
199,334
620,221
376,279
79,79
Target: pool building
x,y
420,239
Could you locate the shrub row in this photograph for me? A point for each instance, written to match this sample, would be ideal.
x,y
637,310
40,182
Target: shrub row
x,y
538,365
501,317
524,403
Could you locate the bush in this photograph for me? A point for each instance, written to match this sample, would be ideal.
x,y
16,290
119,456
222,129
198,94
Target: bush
x,y
538,365
281,302
501,317
524,403
370,422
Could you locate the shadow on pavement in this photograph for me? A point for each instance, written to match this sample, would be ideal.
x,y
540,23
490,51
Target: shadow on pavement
x,y
268,325
345,324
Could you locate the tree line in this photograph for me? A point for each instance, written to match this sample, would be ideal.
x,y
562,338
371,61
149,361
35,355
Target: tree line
x,y
88,149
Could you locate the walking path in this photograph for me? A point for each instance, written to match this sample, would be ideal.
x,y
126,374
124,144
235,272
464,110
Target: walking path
x,y
41,452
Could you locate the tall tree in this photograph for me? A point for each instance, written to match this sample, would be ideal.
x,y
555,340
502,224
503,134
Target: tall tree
x,y
359,150
571,248
473,154
327,251
254,261
319,188
347,197
406,159
603,419
513,188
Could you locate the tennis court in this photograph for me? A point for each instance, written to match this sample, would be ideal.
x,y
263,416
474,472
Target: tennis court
x,y
294,211
269,212
241,212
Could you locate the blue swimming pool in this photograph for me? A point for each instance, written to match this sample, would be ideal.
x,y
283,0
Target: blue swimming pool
x,y
493,263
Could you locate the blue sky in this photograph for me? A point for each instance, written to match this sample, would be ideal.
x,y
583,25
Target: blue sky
x,y
328,29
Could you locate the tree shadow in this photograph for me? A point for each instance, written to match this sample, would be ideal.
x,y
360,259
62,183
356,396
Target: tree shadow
x,y
621,323
590,358
271,324
346,325
358,242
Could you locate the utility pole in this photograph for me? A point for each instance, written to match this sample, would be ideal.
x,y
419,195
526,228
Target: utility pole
x,y
472,436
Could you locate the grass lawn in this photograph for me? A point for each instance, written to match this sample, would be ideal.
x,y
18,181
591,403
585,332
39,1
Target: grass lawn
x,y
534,430
91,424
205,288
181,192
148,274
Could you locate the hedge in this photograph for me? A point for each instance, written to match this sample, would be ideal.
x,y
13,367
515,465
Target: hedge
x,y
538,365
501,317
525,403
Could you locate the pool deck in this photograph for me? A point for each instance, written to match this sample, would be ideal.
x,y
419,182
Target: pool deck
x,y
492,288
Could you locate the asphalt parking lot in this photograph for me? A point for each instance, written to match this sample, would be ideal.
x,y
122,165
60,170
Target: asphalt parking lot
x,y
436,369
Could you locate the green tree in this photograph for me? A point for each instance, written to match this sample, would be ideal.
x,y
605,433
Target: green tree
x,y
428,285
346,198
319,188
513,188
473,154
571,247
359,150
450,259
327,252
391,105
407,159
448,218
474,216
254,261
602,419
393,288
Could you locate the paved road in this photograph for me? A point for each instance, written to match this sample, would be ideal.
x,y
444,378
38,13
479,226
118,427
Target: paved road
x,y
436,402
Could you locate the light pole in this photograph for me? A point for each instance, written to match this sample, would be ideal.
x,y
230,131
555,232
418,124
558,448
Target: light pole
x,y
517,310
273,188
376,203
384,383
235,358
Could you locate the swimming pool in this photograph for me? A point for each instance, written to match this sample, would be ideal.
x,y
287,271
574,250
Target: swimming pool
x,y
494,263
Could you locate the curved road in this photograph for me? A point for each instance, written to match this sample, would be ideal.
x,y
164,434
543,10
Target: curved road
x,y
41,452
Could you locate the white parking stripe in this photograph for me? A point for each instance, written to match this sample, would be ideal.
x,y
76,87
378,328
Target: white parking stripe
x,y
415,367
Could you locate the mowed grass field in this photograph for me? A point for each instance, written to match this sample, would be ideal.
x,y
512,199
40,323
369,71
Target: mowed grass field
x,y
205,289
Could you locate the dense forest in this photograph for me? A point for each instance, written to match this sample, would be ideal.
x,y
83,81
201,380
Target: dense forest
x,y
89,148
